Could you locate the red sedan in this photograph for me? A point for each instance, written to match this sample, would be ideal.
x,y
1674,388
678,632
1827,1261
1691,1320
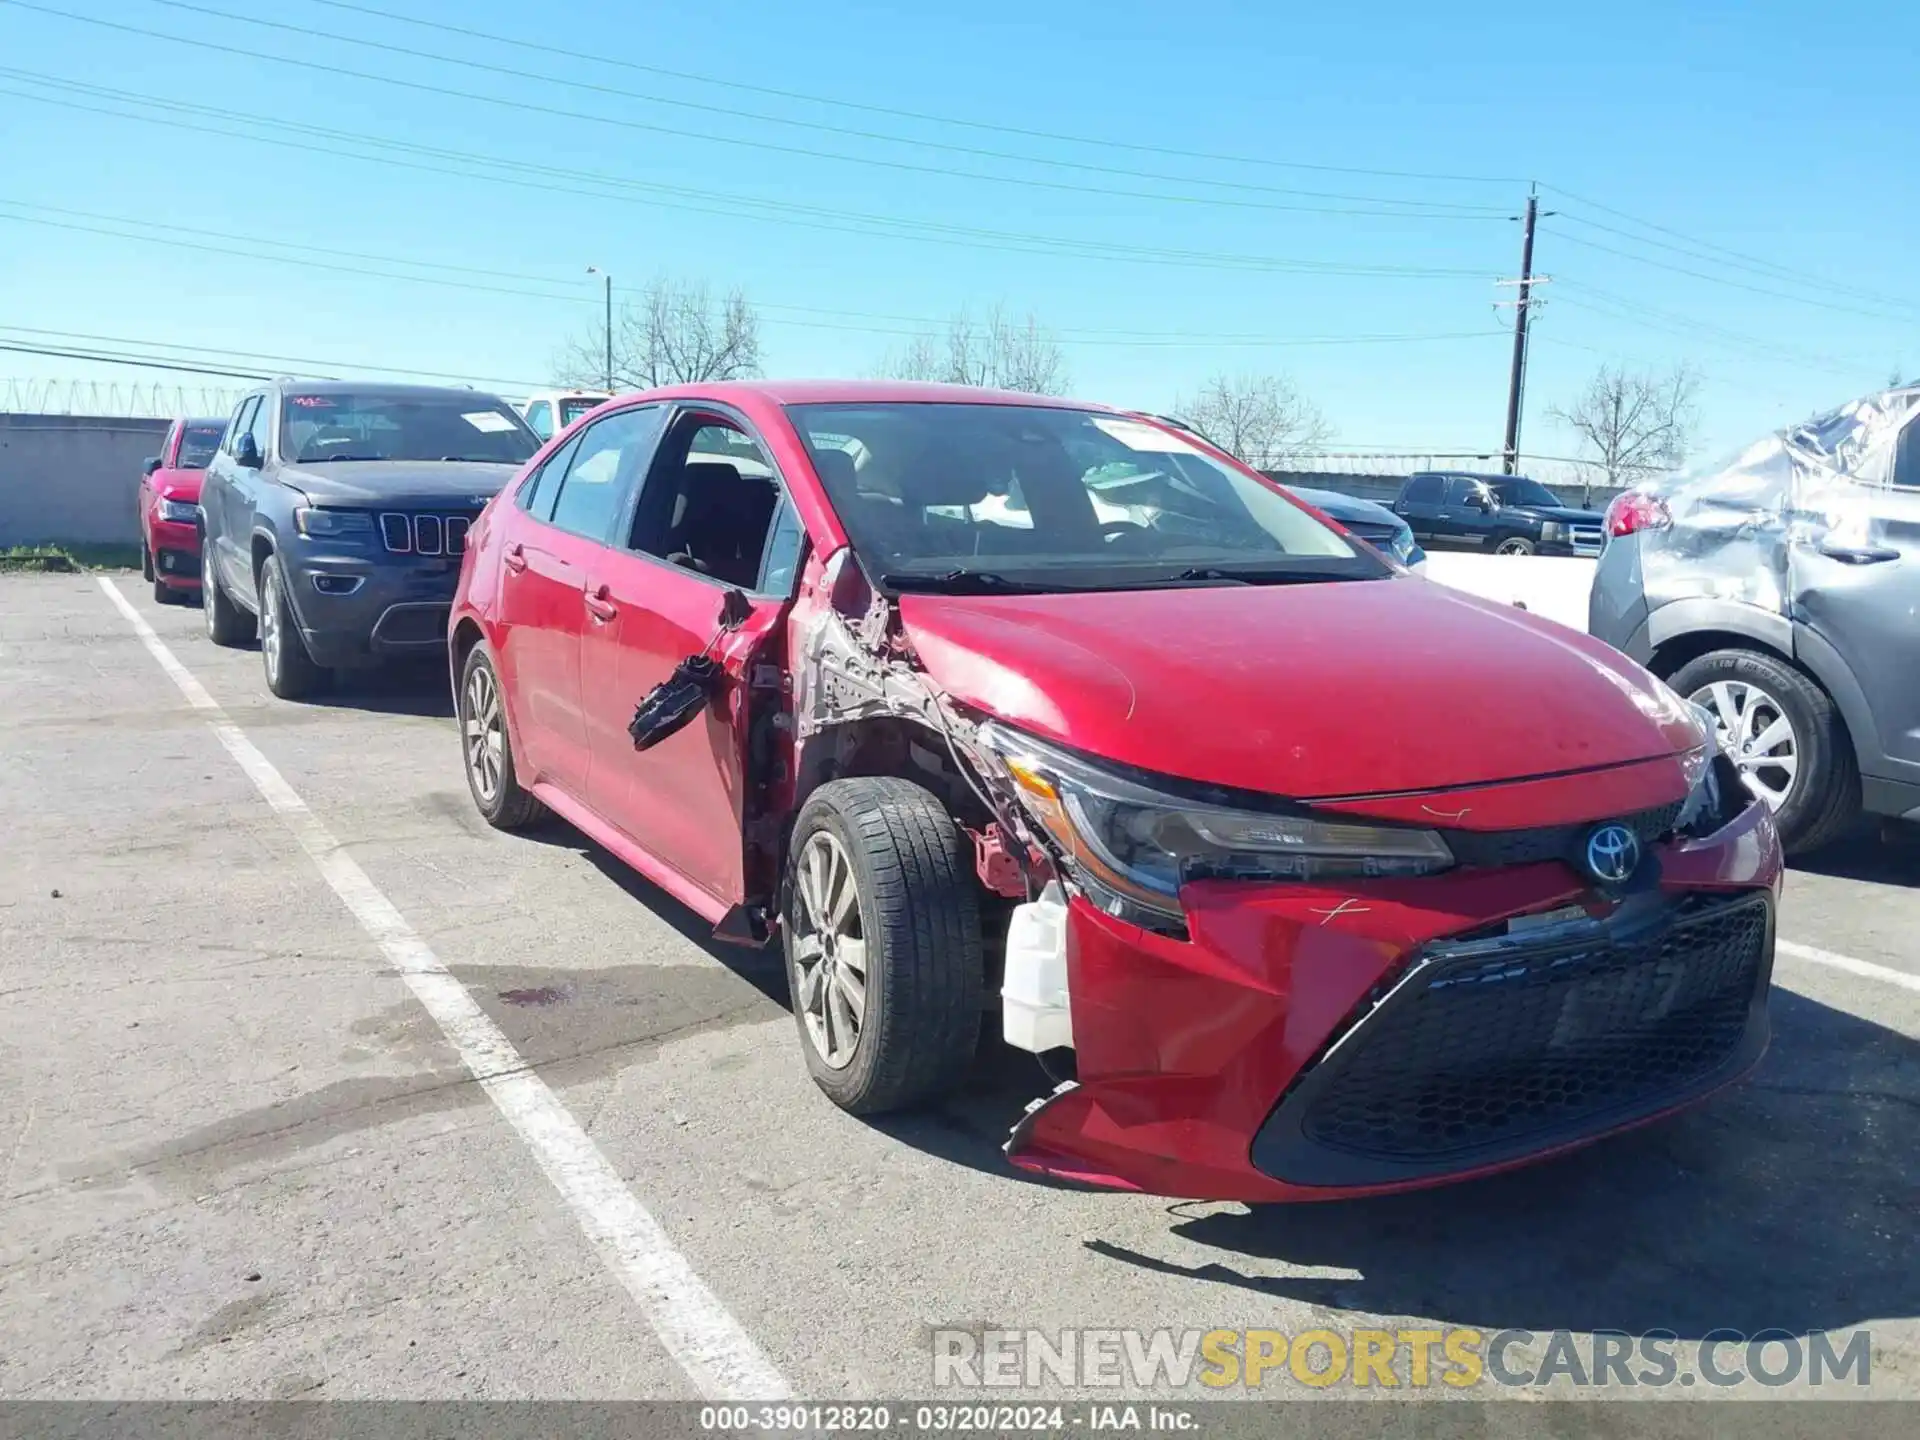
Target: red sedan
x,y
1304,877
170,507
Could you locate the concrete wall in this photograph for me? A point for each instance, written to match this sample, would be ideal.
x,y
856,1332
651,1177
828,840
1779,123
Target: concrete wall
x,y
72,478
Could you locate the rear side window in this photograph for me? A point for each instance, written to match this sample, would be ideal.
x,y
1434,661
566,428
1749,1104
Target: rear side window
x,y
608,459
1424,490
536,496
540,419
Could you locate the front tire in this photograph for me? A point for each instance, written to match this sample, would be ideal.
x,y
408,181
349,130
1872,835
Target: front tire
x,y
1786,738
227,624
882,932
146,563
291,673
1513,545
491,777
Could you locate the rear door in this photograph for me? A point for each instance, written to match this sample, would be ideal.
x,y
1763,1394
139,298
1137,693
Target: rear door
x,y
243,501
1419,504
712,517
562,518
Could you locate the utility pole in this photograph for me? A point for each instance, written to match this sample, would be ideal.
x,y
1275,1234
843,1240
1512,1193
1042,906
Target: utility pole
x,y
1517,379
595,270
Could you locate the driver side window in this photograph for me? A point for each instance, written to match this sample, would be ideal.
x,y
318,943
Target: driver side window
x,y
709,505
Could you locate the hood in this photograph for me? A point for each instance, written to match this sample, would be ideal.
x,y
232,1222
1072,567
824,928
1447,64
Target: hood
x,y
1308,691
181,485
1560,512
1347,509
399,482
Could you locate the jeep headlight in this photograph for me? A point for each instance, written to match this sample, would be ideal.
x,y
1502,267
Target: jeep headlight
x,y
1401,547
318,522
1131,846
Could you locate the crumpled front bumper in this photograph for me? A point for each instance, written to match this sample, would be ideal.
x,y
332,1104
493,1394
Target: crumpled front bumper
x,y
1186,1050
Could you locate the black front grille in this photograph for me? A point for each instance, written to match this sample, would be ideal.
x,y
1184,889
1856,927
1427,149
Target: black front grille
x,y
1552,842
1498,1048
424,534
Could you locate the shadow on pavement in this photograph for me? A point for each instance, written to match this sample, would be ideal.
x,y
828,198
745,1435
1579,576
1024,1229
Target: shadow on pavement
x,y
1790,1201
410,689
1878,853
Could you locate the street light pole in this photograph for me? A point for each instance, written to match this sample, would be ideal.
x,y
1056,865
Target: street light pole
x,y
595,270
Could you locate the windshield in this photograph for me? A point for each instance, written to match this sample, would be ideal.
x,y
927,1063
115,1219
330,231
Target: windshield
x,y
1023,497
197,444
572,410
1522,491
339,426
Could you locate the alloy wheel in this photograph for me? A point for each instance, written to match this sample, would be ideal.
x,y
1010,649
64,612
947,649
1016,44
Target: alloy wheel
x,y
829,950
1756,735
270,623
485,733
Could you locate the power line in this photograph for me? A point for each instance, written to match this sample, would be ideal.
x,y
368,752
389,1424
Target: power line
x,y
648,127
840,221
1781,271
985,126
520,72
1699,331
1064,335
150,364
1718,279
164,347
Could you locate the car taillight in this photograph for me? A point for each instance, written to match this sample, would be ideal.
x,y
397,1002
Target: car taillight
x,y
1633,511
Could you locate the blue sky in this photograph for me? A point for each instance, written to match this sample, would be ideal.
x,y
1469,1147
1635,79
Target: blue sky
x,y
1775,151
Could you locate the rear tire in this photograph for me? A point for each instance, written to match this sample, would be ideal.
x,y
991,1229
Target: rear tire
x,y
227,624
902,962
291,673
1821,799
487,746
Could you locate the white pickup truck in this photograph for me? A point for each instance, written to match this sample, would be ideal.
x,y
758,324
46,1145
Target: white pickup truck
x,y
548,412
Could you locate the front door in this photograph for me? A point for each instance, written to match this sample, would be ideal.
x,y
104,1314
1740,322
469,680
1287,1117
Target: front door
x,y
1859,590
700,528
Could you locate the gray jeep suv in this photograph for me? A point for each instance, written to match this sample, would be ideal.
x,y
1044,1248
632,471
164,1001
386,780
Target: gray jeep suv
x,y
334,516
1780,591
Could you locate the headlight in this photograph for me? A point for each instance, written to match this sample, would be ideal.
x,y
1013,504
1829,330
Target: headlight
x,y
180,512
1553,532
333,524
1132,847
1715,791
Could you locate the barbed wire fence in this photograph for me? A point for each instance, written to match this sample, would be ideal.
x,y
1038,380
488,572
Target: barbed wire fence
x,y
115,399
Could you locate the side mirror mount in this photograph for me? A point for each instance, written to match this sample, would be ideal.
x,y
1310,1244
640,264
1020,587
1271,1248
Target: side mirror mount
x,y
247,453
149,465
734,609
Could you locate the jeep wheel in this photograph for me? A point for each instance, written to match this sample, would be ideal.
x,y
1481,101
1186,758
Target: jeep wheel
x,y
291,673
491,776
227,623
883,945
1513,545
1782,732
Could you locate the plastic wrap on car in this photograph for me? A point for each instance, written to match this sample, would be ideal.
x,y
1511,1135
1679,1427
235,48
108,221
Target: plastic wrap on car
x,y
1737,527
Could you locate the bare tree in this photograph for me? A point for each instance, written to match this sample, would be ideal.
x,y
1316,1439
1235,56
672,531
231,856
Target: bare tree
x,y
1262,420
1636,423
1003,352
675,333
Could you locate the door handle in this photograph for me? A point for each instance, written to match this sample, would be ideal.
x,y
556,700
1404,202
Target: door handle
x,y
599,606
515,559
1858,554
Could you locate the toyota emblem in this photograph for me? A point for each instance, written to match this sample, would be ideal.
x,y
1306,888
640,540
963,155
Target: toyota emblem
x,y
1613,853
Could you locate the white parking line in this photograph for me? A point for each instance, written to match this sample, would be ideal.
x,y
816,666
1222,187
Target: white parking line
x,y
709,1344
1866,969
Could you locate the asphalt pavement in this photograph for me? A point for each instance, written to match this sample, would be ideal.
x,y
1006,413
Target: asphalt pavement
x,y
246,1156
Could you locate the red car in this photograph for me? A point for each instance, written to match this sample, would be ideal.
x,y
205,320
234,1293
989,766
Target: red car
x,y
1305,877
170,507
